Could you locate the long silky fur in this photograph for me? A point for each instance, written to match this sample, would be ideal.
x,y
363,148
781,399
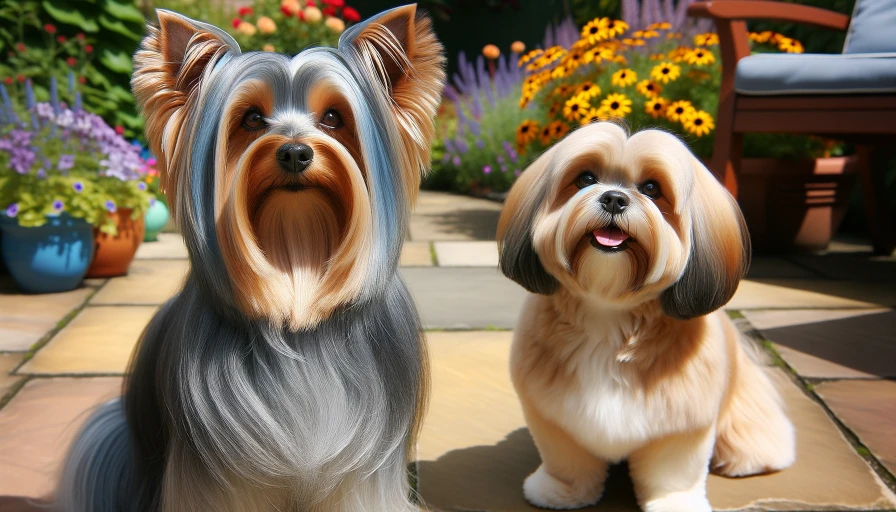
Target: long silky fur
x,y
228,409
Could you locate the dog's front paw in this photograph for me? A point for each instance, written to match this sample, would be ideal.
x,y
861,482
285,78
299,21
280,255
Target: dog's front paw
x,y
692,501
543,490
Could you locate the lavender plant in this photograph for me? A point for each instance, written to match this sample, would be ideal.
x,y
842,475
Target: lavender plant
x,y
58,159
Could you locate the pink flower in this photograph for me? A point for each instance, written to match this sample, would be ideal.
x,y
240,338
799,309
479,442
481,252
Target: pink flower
x,y
235,22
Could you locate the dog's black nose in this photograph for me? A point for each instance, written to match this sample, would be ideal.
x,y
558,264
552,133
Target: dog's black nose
x,y
614,201
294,157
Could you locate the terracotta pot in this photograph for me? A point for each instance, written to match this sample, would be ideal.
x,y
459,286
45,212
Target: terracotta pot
x,y
114,253
795,205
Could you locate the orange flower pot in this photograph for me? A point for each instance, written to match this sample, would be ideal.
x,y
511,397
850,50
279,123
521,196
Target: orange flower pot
x,y
115,253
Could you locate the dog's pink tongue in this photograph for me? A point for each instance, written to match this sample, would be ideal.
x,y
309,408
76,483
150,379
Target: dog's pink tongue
x,y
610,236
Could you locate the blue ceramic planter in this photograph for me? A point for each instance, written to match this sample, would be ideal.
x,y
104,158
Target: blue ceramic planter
x,y
155,219
50,258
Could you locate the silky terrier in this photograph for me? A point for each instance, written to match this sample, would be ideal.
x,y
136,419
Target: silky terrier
x,y
289,373
631,247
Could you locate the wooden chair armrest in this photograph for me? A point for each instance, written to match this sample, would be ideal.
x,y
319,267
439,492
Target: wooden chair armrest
x,y
768,10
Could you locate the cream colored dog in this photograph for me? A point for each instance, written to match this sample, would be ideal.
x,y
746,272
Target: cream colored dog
x,y
631,246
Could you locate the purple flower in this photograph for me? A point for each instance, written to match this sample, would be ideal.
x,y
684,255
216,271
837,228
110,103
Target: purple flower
x,y
41,173
487,169
78,186
456,161
517,172
110,206
58,205
66,162
141,186
12,210
480,143
152,202
503,168
446,158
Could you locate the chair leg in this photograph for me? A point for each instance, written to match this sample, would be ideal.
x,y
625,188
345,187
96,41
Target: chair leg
x,y
726,156
872,165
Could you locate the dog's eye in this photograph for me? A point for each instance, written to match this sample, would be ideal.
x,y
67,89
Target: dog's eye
x,y
586,179
650,189
253,120
331,119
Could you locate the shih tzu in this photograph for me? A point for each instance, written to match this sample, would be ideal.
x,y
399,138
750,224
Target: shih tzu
x,y
630,247
289,373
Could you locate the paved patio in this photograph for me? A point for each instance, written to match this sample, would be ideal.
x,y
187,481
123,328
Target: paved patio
x,y
829,316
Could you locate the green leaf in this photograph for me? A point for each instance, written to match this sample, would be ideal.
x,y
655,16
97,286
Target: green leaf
x,y
71,17
126,12
115,25
120,93
119,62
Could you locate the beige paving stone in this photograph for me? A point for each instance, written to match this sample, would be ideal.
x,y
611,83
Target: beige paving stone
x,y
868,408
466,254
475,451
25,319
169,246
148,282
37,426
415,254
441,216
811,293
98,341
7,363
825,343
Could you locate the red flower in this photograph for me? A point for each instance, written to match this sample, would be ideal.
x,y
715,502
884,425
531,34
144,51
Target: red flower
x,y
119,129
88,49
82,79
349,14
244,11
310,3
8,80
60,39
71,61
21,78
301,15
236,22
329,11
20,47
334,3
285,11
81,36
50,29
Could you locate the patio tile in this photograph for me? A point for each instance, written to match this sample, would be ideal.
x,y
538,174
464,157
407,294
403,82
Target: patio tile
x,y
149,282
762,267
811,293
168,246
98,341
832,343
467,254
415,254
441,216
853,266
868,408
7,363
474,450
39,423
25,319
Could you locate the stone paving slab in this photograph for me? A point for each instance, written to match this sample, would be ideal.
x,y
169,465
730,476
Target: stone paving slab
x,y
416,254
149,282
475,451
832,343
868,409
464,298
467,254
25,318
809,293
441,216
855,266
97,341
7,363
37,426
169,246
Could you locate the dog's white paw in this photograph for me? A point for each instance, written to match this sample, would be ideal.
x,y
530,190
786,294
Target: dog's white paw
x,y
545,491
691,501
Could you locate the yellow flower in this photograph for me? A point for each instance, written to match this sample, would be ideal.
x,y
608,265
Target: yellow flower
x,y
700,57
680,110
665,72
518,47
786,44
624,78
545,135
491,51
649,89
312,14
574,59
707,39
526,132
245,28
291,6
268,48
679,54
663,25
649,34
335,24
673,35
525,98
266,25
558,129
560,71
616,105
588,90
529,56
761,37
657,56
655,107
562,90
617,28
555,109
575,108
620,59
633,42
595,30
594,115
699,123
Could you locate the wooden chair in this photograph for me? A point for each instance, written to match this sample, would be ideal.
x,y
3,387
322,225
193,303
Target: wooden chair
x,y
849,96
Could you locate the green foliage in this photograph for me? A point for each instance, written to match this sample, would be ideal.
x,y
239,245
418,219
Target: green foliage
x,y
584,11
215,12
282,26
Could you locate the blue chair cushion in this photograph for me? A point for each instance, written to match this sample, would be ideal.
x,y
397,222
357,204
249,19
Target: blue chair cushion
x,y
871,27
788,73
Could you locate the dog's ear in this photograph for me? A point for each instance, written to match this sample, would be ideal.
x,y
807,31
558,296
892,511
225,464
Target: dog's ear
x,y
400,52
518,258
720,251
168,68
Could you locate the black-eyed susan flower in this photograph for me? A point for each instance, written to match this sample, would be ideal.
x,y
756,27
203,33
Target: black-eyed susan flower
x,y
555,109
673,35
624,78
679,54
558,129
616,105
699,123
761,37
575,108
680,110
595,30
634,42
619,59
587,91
700,57
657,56
649,34
656,107
563,90
665,72
525,59
616,27
649,88
525,99
594,115
560,71
662,25
574,59
526,132
786,44
707,39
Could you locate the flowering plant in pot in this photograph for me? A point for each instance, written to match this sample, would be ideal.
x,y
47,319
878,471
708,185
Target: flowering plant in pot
x,y
64,167
289,26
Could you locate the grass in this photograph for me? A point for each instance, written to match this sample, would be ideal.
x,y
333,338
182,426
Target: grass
x,y
432,254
